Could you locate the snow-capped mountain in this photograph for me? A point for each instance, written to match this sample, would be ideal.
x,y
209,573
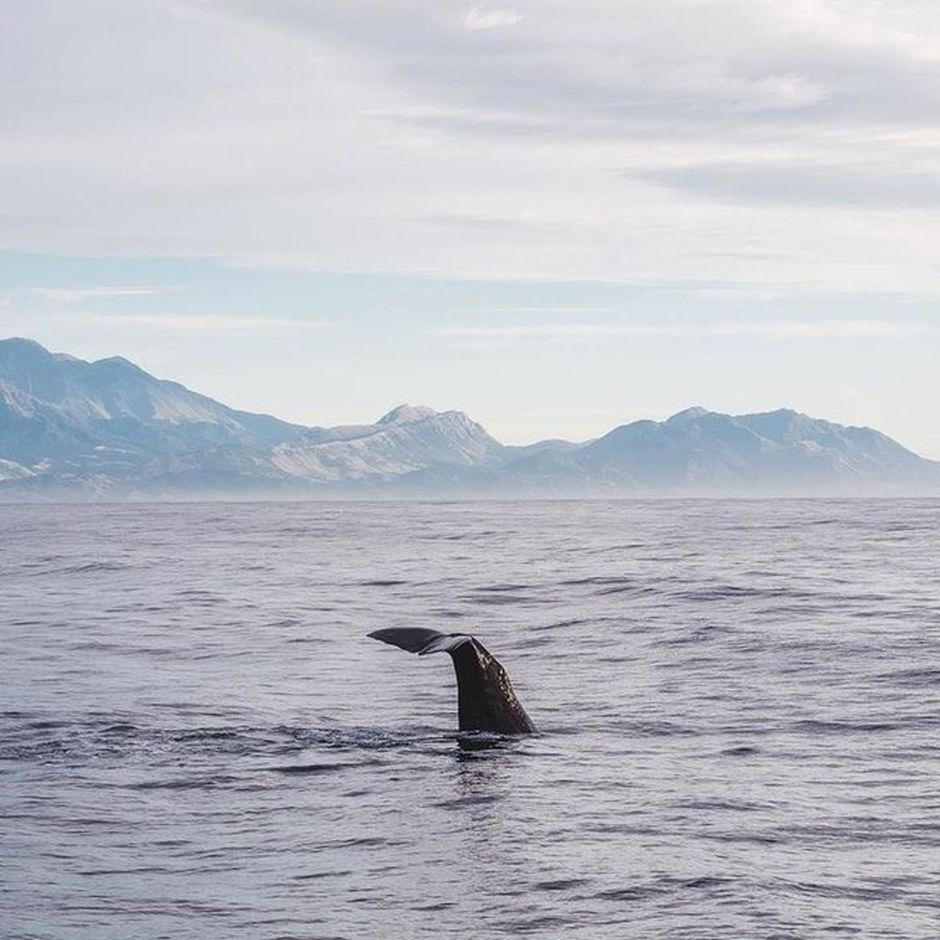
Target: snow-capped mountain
x,y
774,452
406,440
91,428
56,406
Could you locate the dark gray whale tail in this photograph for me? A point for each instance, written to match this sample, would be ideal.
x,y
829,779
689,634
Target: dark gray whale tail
x,y
485,697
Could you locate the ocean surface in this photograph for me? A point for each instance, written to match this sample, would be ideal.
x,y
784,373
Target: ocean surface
x,y
738,705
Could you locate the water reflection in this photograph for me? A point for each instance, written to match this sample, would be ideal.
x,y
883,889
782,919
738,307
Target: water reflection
x,y
469,742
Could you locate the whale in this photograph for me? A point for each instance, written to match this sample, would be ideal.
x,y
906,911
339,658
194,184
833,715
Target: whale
x,y
486,700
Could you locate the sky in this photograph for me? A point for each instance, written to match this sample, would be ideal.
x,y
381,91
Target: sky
x,y
556,216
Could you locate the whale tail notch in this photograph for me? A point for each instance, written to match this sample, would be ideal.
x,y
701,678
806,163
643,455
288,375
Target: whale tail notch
x,y
486,700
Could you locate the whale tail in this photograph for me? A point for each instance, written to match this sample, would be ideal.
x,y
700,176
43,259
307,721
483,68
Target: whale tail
x,y
486,700
420,640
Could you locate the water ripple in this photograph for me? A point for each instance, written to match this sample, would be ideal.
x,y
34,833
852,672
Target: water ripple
x,y
739,706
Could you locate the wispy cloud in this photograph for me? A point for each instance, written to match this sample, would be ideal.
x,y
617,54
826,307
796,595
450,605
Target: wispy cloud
x,y
738,293
70,295
772,330
795,184
208,324
547,308
490,18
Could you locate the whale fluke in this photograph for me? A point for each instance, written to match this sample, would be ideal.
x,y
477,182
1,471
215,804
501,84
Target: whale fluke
x,y
485,697
419,640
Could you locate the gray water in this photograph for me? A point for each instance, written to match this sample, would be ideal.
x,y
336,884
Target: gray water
x,y
738,704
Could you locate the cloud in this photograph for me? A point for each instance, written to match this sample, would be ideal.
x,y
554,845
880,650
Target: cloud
x,y
802,185
593,72
423,143
490,18
773,330
207,324
546,308
68,295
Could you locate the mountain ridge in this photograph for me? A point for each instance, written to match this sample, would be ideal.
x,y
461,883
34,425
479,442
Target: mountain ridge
x,y
109,428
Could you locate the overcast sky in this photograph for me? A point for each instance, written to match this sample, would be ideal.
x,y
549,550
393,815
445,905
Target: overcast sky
x,y
557,216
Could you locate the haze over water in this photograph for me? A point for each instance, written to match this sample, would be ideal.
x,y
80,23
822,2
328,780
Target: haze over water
x,y
739,706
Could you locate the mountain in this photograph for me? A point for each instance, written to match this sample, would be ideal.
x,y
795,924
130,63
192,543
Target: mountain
x,y
103,426
778,452
107,428
404,441
113,398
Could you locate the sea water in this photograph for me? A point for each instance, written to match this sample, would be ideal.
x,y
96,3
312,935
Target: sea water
x,y
738,706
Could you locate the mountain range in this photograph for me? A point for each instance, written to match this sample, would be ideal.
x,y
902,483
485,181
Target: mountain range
x,y
70,428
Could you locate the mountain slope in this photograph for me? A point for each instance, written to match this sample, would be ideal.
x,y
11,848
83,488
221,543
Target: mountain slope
x,y
781,452
863,452
108,427
112,402
403,441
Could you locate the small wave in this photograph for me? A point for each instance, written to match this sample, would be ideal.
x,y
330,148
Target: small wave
x,y
311,769
656,729
709,806
45,724
853,892
366,842
497,599
561,624
818,726
634,589
746,838
911,678
185,783
725,592
700,634
561,884
631,893
65,742
370,739
502,588
208,734
622,547
538,924
120,727
95,566
597,579
464,801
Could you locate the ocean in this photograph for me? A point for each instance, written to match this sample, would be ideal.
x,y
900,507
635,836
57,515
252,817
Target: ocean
x,y
738,706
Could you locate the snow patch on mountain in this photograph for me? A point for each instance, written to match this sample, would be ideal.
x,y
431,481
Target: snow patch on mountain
x,y
416,440
405,414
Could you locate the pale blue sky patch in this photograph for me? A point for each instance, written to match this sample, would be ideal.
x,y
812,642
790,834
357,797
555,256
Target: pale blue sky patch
x,y
528,359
